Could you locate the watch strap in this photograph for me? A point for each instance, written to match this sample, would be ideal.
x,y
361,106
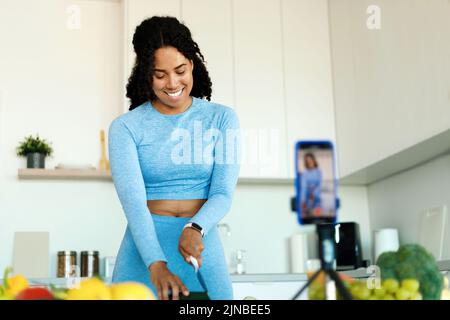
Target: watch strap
x,y
195,226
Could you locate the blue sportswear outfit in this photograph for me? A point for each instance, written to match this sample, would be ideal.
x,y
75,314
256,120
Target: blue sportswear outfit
x,y
311,189
190,155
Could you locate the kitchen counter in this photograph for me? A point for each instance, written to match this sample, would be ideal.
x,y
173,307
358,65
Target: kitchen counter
x,y
444,266
280,277
235,278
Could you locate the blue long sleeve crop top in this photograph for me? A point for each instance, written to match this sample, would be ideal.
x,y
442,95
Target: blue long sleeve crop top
x,y
190,155
311,182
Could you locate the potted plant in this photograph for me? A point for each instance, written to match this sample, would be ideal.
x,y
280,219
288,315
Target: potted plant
x,y
35,149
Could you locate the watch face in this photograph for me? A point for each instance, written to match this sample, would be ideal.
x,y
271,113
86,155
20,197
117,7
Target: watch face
x,y
196,226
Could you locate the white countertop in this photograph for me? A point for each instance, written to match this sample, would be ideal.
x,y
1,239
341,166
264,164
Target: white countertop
x,y
235,278
240,278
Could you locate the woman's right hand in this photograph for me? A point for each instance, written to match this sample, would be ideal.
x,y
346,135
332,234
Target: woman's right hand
x,y
164,280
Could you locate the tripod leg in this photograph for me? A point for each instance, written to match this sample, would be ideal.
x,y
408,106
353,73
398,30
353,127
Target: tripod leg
x,y
315,275
339,285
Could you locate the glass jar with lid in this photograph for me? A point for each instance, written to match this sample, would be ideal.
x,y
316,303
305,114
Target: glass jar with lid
x,y
67,264
89,263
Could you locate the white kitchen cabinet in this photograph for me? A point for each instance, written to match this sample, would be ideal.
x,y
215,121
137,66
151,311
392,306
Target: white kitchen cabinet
x,y
268,60
273,290
391,84
259,91
211,28
307,72
134,12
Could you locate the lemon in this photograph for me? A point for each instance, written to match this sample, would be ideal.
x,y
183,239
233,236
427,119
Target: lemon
x,y
90,289
131,291
16,284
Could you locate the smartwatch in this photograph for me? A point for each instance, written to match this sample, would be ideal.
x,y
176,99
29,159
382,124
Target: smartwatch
x,y
195,226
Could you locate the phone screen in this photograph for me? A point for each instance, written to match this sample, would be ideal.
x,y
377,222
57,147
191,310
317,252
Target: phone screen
x,y
316,183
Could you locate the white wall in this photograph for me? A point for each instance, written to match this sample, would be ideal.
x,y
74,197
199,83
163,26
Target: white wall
x,y
399,200
66,85
261,223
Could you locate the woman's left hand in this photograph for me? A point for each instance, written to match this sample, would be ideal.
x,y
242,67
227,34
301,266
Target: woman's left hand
x,y
191,244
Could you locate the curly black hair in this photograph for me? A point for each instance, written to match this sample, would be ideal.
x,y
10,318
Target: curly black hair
x,y
154,33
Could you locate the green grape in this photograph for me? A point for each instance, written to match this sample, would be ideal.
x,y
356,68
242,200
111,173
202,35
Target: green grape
x,y
380,292
391,285
402,294
412,285
373,297
360,292
416,296
364,293
389,297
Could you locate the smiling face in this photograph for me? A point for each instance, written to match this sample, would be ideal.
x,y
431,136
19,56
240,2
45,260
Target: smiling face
x,y
310,162
172,81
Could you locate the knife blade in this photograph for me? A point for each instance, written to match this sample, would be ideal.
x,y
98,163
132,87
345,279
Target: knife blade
x,y
194,262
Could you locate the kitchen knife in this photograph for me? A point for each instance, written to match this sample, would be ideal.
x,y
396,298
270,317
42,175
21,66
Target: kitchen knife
x,y
199,275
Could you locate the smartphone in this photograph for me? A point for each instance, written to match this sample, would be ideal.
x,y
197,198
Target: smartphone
x,y
316,187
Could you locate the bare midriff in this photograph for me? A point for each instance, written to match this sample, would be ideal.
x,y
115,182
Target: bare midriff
x,y
175,208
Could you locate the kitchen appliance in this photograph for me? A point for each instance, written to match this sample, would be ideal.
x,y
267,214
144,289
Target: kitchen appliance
x,y
348,246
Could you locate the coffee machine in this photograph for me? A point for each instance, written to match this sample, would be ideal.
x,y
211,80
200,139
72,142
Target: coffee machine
x,y
349,253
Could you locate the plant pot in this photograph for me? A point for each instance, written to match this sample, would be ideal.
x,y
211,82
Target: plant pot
x,y
35,160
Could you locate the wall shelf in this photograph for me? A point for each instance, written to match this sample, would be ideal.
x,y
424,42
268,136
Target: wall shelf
x,y
92,174
82,174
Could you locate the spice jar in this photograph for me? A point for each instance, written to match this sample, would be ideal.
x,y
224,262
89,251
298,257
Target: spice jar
x,y
89,263
67,262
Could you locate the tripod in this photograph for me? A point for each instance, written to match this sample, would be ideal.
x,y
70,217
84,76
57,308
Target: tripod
x,y
327,257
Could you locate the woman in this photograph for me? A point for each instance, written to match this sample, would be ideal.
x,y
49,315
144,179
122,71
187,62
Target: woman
x,y
174,163
311,187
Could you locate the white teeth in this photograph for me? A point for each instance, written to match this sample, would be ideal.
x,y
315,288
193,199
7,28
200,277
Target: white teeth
x,y
175,94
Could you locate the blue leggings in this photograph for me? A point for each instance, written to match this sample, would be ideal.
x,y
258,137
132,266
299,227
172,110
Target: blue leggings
x,y
130,266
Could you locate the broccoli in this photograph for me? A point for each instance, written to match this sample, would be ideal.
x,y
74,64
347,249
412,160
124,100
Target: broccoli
x,y
413,261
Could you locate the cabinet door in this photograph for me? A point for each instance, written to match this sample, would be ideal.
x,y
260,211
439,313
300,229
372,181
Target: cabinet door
x,y
273,290
307,68
391,84
258,80
134,12
210,25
